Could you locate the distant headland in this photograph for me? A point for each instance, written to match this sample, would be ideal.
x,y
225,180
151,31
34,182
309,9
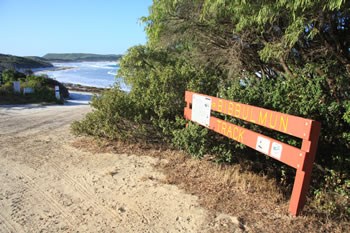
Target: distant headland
x,y
21,63
77,57
32,62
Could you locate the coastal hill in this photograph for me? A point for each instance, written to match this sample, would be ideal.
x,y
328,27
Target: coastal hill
x,y
16,63
76,57
36,58
31,62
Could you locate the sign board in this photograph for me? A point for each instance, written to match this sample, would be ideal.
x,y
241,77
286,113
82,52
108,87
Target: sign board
x,y
57,92
28,90
299,158
201,106
17,87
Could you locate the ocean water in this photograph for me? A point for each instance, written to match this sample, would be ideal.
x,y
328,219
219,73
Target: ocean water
x,y
95,74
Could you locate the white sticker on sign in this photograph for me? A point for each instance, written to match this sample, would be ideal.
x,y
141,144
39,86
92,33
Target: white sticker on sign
x,y
201,106
17,87
276,150
263,145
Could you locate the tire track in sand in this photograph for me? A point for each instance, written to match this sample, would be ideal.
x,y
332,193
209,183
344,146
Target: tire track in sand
x,y
7,225
85,192
47,197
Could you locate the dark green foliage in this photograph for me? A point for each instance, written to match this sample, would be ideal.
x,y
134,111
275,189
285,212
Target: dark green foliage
x,y
6,89
43,82
192,139
332,195
113,117
11,76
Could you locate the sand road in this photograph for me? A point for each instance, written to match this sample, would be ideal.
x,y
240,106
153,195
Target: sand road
x,y
46,185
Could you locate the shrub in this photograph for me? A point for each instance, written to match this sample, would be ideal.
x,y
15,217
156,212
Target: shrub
x,y
158,82
113,117
12,75
6,89
43,86
333,195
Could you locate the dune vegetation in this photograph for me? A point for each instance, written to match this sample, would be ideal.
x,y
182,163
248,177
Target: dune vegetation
x,y
43,88
289,56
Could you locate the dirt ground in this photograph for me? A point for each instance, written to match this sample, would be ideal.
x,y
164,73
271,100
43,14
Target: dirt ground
x,y
47,185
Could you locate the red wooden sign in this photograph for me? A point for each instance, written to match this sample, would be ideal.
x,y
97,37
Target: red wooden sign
x,y
300,158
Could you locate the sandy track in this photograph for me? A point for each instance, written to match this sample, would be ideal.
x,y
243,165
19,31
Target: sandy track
x,y
46,185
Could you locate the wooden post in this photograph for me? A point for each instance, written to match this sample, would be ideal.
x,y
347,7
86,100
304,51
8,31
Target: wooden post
x,y
303,175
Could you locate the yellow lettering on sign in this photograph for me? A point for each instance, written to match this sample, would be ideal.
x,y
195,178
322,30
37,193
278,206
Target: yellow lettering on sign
x,y
229,131
223,127
251,116
234,130
284,122
240,135
237,110
274,124
219,124
245,116
220,106
230,108
261,119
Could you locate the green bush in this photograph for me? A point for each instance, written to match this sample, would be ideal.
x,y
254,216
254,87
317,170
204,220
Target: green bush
x,y
192,139
158,81
114,117
333,195
12,75
43,88
42,81
304,97
6,89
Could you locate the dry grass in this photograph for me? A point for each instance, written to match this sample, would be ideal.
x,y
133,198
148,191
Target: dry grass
x,y
258,203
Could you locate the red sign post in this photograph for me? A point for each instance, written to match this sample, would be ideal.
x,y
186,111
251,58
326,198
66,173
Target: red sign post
x,y
300,158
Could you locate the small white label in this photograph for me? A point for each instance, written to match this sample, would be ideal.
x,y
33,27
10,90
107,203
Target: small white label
x,y
276,150
201,106
28,90
57,92
17,87
263,145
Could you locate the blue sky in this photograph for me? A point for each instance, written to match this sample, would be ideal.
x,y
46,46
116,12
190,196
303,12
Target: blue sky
x,y
37,27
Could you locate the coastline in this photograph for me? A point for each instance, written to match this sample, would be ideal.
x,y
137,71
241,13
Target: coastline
x,y
50,69
78,82
82,88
